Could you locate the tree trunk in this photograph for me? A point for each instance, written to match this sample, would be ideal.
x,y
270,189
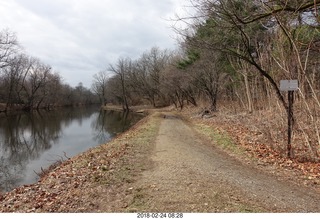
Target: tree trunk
x,y
248,93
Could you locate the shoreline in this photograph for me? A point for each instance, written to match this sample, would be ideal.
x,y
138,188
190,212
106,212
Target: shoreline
x,y
110,170
79,179
46,167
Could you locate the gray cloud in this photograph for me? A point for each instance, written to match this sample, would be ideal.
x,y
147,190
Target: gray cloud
x,y
78,38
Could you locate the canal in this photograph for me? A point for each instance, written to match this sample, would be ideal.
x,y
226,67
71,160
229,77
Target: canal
x,y
31,141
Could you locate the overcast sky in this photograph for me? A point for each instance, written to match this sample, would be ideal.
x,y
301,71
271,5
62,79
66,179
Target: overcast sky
x,y
78,38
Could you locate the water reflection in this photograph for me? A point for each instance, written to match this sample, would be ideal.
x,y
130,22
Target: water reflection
x,y
112,122
29,141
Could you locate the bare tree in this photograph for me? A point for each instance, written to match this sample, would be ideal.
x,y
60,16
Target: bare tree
x,y
99,86
8,47
273,39
177,85
14,76
37,79
146,72
26,82
120,70
50,95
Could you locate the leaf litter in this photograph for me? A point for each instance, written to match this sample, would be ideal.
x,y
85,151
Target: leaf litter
x,y
102,179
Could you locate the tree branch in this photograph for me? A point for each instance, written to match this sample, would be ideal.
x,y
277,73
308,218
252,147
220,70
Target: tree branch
x,y
308,5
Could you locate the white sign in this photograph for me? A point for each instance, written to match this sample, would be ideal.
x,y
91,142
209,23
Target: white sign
x,y
289,85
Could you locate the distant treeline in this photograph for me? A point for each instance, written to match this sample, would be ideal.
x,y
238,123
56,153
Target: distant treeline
x,y
27,83
232,56
231,50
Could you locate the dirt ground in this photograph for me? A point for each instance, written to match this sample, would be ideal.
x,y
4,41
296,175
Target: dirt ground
x,y
161,165
190,175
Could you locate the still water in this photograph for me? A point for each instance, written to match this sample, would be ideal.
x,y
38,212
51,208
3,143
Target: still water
x,y
31,141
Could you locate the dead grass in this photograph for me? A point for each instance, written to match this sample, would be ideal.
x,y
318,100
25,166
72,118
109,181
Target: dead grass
x,y
269,127
220,138
102,179
99,180
262,137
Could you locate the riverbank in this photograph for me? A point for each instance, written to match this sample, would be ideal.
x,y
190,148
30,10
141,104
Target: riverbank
x,y
18,108
139,109
31,141
98,180
118,176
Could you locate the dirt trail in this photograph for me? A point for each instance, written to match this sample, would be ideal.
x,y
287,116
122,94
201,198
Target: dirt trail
x,y
186,174
190,175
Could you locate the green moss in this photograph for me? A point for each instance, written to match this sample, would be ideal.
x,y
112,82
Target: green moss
x,y
220,139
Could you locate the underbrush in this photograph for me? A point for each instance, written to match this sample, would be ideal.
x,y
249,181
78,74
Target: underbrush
x,y
269,127
262,135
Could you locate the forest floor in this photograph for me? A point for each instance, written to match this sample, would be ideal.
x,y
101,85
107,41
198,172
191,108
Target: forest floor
x,y
174,162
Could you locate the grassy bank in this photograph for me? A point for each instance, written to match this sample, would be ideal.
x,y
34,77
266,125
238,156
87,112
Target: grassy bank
x,y
104,178
99,180
251,139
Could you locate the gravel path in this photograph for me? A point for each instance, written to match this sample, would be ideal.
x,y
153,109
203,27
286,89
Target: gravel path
x,y
190,175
